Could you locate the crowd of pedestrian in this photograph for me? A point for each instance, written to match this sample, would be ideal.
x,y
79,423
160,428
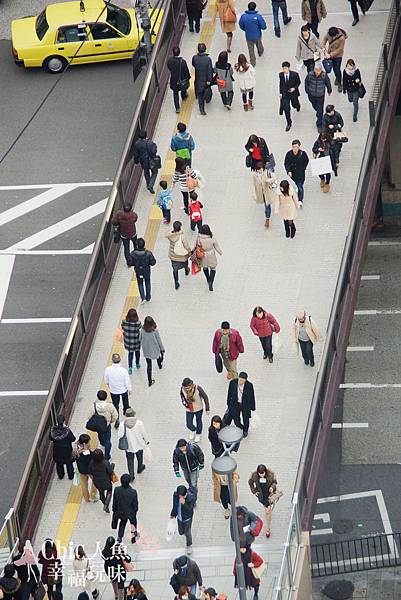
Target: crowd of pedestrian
x,y
91,467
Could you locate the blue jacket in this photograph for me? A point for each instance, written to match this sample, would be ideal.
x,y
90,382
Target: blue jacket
x,y
182,141
164,199
252,23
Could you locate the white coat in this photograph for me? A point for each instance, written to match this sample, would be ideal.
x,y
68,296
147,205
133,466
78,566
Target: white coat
x,y
136,435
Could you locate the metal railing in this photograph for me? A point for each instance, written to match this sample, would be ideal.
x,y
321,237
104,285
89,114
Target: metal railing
x,y
349,556
381,104
66,379
292,549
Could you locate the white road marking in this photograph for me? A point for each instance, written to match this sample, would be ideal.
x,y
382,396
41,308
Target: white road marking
x,y
87,250
6,269
384,243
360,348
61,227
349,425
396,311
25,393
367,385
43,186
33,203
36,320
325,518
370,277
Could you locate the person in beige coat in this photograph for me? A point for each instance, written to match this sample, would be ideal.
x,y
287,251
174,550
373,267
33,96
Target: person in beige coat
x,y
178,251
263,186
333,44
225,9
313,12
306,334
221,492
108,411
210,246
287,206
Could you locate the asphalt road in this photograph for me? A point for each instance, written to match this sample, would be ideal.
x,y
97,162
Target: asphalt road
x,y
363,462
77,137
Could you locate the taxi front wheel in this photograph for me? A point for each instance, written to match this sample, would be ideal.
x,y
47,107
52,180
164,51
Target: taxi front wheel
x,y
55,64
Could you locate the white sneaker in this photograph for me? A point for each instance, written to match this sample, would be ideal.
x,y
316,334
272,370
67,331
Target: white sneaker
x,y
192,435
143,301
188,550
227,513
198,437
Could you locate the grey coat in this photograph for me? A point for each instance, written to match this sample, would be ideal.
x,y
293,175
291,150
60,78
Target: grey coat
x,y
202,64
316,85
306,48
172,238
152,345
210,246
227,75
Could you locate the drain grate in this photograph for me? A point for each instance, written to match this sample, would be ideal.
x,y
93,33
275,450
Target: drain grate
x,y
339,590
343,526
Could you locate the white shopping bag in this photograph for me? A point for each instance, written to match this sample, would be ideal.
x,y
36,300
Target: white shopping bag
x,y
147,454
320,166
276,342
171,529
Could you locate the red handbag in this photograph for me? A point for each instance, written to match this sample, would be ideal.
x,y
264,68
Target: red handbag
x,y
259,526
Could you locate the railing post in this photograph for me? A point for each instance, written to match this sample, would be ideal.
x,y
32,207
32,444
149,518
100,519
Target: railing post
x,y
372,117
385,56
289,564
10,536
297,518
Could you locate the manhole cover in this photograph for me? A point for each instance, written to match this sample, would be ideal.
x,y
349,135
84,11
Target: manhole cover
x,y
343,526
339,590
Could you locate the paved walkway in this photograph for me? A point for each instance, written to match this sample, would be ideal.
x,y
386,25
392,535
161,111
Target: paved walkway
x,y
259,266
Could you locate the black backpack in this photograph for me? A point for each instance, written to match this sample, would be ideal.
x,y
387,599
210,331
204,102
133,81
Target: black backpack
x,y
97,423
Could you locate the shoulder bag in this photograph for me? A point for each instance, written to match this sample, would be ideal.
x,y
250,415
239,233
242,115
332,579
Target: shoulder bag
x,y
229,16
257,572
361,91
155,162
179,248
191,182
327,65
97,423
199,251
123,441
182,84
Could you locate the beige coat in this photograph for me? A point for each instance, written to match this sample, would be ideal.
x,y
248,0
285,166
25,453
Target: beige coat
x,y
335,45
310,328
172,238
262,190
104,408
217,479
210,246
286,206
221,7
307,13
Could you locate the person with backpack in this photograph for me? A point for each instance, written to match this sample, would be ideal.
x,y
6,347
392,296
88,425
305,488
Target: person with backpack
x,y
227,344
133,431
182,143
101,415
263,324
142,260
179,251
125,220
62,438
306,334
145,154
132,330
165,201
179,77
263,484
194,398
195,213
183,512
188,457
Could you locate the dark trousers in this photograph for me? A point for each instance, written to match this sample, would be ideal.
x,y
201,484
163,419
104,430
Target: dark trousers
x,y
54,587
227,98
307,352
175,271
201,99
184,528
60,470
105,441
122,523
115,398
185,199
131,358
149,366
144,285
276,6
194,17
290,228
318,105
354,9
150,176
287,101
326,177
197,224
130,456
127,246
27,588
190,421
314,24
300,188
105,497
229,417
353,96
224,496
336,62
166,214
267,346
176,98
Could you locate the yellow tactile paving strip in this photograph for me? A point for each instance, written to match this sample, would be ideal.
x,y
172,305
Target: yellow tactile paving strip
x,y
71,510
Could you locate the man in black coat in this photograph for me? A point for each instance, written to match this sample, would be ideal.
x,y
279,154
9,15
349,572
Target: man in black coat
x,y
295,163
190,458
183,511
202,64
179,77
62,438
289,83
240,402
142,260
125,507
145,151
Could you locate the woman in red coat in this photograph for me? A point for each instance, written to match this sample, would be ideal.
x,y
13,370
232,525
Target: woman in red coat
x,y
250,560
263,324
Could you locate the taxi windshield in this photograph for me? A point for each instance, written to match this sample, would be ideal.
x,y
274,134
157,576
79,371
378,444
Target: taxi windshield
x,y
118,18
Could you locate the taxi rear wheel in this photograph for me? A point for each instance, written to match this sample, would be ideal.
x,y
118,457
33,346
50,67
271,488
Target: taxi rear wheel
x,y
55,64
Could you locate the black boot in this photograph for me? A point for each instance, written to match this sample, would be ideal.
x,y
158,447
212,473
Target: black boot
x,y
207,274
211,279
175,275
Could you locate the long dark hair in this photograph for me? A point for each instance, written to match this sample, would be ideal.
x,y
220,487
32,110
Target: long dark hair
x,y
132,316
149,325
242,63
216,419
222,61
205,230
285,187
258,309
254,139
180,164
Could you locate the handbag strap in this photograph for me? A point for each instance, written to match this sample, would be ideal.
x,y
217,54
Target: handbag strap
x,y
94,405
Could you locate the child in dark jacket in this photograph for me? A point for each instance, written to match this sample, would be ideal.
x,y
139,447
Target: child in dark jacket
x,y
195,213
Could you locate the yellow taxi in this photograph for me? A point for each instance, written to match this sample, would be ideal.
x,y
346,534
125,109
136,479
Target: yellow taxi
x,y
78,32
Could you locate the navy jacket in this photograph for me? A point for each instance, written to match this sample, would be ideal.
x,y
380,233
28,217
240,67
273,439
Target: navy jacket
x,y
143,150
187,509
